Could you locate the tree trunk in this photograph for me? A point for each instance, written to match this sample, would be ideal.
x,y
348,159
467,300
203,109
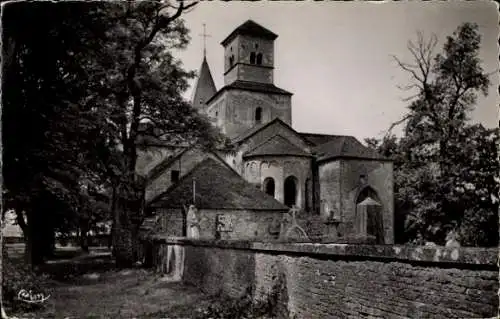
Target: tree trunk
x,y
34,247
125,225
84,238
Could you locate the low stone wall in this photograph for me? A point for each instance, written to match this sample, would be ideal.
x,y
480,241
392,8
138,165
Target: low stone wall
x,y
346,281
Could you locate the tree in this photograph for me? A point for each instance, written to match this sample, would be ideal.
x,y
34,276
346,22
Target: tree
x,y
146,84
435,158
49,136
84,81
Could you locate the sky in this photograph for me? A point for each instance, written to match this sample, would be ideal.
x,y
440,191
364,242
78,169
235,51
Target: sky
x,y
337,57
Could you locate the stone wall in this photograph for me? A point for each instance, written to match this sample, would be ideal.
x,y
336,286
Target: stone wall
x,y
247,224
152,156
241,105
257,169
240,48
379,176
340,185
348,281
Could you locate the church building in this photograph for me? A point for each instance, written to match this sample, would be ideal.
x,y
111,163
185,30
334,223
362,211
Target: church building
x,y
329,178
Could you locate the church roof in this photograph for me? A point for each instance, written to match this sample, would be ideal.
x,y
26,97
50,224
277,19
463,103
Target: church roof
x,y
217,186
165,163
205,86
255,129
251,86
277,145
250,28
315,139
345,147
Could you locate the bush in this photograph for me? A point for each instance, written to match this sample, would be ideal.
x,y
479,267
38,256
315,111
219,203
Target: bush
x,y
17,276
239,308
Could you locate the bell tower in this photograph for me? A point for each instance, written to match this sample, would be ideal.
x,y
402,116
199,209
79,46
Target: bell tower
x,y
249,97
249,54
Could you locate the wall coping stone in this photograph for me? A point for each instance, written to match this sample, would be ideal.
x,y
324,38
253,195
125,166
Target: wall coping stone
x,y
479,256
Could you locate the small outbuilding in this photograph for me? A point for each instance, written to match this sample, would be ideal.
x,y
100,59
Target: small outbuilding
x,y
227,206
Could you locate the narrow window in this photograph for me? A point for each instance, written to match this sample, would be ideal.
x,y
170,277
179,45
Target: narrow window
x,y
231,60
259,59
252,58
269,186
258,115
174,176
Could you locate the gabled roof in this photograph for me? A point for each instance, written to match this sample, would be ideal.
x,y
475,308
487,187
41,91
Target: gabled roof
x,y
205,86
165,163
276,145
250,28
345,147
217,187
255,129
315,139
251,86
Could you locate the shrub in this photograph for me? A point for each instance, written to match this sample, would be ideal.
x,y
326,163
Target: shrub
x,y
17,276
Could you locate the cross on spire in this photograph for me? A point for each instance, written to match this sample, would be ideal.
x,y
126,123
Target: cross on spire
x,y
204,35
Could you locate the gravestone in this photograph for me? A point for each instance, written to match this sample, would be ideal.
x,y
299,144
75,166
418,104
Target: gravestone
x,y
452,240
193,223
224,226
290,229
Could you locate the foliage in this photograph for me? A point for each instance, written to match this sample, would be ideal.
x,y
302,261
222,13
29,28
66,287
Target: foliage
x,y
239,308
16,276
446,169
84,78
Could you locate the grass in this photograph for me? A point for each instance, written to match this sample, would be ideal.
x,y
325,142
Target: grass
x,y
88,286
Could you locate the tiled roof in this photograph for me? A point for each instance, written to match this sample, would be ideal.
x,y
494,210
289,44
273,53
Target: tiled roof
x,y
276,145
314,139
252,86
250,28
248,133
217,187
345,147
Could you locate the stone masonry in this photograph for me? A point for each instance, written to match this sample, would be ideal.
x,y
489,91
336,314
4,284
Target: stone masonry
x,y
349,281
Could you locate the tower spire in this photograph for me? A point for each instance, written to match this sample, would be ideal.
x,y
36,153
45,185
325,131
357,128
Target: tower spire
x,y
204,35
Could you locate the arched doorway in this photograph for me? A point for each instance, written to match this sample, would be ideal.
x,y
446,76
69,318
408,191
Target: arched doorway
x,y
368,200
290,191
269,186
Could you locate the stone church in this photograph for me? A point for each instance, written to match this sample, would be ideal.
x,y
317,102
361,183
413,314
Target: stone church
x,y
329,178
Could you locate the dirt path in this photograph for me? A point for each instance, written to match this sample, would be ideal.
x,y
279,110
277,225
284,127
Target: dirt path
x,y
86,287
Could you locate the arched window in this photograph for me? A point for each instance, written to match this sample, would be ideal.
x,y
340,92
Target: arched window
x,y
268,186
290,191
258,115
259,58
252,57
231,60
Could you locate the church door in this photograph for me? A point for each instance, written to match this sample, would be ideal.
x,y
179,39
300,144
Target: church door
x,y
290,191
